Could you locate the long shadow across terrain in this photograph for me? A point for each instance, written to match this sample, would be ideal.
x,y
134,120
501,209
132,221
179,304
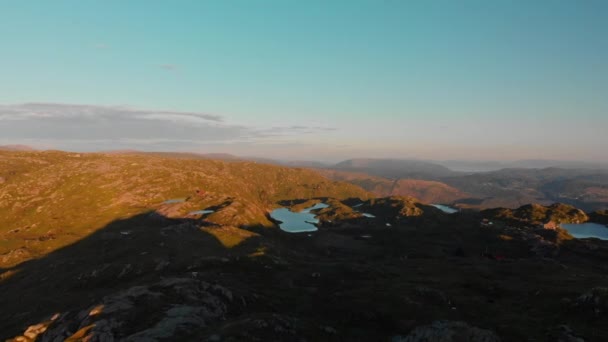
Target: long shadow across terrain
x,y
149,277
139,250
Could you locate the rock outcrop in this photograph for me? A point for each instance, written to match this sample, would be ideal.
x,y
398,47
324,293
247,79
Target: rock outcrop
x,y
448,331
170,309
538,214
399,207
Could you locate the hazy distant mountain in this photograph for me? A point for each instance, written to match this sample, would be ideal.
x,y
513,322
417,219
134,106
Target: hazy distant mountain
x,y
424,190
486,166
585,188
305,163
124,151
220,156
564,164
507,187
472,166
396,168
16,148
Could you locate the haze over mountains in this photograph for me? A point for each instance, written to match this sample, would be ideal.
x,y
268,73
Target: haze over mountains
x,y
583,184
385,164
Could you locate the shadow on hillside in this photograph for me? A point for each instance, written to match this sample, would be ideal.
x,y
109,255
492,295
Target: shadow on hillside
x,y
126,252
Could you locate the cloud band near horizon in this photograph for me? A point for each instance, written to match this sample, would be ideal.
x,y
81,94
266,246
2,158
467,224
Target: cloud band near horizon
x,y
94,127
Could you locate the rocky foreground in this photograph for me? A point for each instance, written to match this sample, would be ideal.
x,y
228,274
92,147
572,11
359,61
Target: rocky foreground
x,y
158,273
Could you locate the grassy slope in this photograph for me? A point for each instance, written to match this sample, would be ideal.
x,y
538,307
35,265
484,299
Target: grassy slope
x,y
50,199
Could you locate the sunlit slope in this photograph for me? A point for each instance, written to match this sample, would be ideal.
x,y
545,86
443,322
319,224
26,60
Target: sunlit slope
x,y
426,191
50,199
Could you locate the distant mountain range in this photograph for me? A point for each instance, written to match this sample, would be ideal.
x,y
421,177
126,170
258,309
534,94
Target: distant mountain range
x,y
427,191
465,184
485,166
16,148
586,188
395,168
383,167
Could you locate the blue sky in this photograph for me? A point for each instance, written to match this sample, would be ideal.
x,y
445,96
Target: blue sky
x,y
309,79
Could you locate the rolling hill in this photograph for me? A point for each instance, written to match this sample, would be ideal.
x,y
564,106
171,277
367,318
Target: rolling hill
x,y
16,148
50,199
395,168
508,187
583,188
424,190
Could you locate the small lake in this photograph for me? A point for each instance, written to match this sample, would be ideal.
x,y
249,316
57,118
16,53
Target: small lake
x,y
175,200
446,209
587,230
303,221
368,215
201,212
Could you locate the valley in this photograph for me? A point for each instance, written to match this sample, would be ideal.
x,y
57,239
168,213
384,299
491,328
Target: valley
x,y
586,188
152,247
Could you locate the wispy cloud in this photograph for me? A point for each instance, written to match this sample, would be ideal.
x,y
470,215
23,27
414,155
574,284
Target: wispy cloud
x,y
61,111
92,127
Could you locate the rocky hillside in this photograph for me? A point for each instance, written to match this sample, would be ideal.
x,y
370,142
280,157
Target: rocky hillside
x,y
424,190
538,214
50,199
94,252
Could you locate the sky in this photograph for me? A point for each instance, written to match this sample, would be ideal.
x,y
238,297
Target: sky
x,y
322,80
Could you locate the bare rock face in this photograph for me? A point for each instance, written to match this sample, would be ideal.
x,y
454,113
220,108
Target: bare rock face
x,y
172,308
2,180
14,255
399,206
448,331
